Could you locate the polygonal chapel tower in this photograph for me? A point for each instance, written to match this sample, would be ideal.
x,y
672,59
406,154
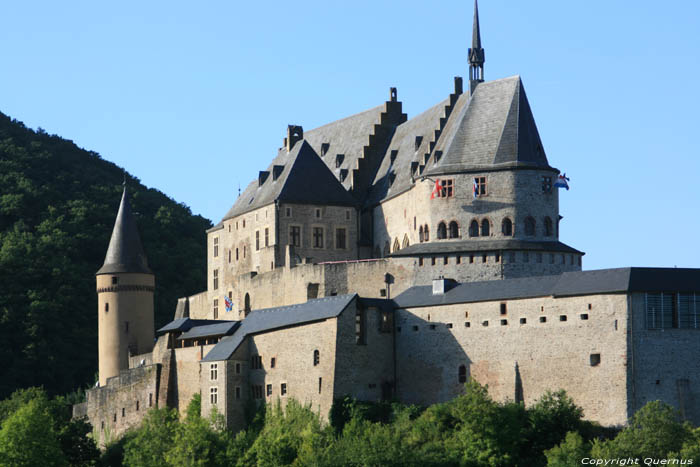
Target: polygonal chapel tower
x,y
125,286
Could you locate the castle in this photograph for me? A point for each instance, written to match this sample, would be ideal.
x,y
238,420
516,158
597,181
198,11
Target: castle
x,y
384,257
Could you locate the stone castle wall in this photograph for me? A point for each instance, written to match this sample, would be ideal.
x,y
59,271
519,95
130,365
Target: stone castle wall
x,y
434,341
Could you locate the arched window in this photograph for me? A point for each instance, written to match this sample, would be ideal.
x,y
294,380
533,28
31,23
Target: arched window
x,y
462,374
441,231
485,228
426,233
420,234
246,307
474,228
317,357
507,227
406,243
397,246
386,249
454,230
548,227
530,226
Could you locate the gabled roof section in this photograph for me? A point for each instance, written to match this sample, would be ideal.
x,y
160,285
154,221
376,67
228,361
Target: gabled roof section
x,y
221,328
301,177
274,318
465,246
495,129
185,324
347,136
125,252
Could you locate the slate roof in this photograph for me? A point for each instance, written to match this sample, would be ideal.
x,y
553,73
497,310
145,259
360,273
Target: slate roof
x,y
184,325
404,143
347,136
460,246
274,318
125,252
495,129
218,329
601,281
304,178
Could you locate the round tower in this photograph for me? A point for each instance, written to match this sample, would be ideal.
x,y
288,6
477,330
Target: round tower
x,y
125,286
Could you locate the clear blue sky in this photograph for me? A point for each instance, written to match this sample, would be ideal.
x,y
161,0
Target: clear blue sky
x,y
194,97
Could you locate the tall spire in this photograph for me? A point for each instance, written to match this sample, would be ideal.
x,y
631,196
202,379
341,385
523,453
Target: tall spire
x,y
476,54
125,252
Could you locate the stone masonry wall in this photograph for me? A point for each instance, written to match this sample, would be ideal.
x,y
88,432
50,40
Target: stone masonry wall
x,y
121,404
663,364
434,341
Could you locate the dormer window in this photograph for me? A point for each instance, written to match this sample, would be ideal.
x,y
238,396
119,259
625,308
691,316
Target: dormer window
x,y
339,160
392,156
324,148
277,171
419,139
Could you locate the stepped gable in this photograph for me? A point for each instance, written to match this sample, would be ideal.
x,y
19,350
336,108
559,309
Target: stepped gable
x,y
413,147
125,252
404,143
495,129
298,176
353,147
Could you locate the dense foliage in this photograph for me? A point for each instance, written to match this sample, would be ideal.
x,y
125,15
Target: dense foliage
x,y
471,430
57,209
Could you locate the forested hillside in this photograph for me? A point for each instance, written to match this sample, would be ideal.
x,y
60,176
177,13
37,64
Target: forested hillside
x,y
58,203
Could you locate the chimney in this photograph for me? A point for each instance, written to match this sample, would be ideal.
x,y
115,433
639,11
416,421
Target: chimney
x,y
294,133
442,285
459,88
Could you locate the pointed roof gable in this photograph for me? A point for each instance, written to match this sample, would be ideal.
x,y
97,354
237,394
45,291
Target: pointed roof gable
x,y
495,129
125,252
299,176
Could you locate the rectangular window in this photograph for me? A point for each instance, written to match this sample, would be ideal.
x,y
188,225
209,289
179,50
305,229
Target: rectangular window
x,y
214,395
340,236
238,368
420,261
238,392
318,213
288,212
216,308
320,384
257,240
213,372
446,188
115,280
267,236
150,399
216,279
360,326
295,235
546,184
670,310
269,390
273,361
480,186
257,391
216,247
126,327
256,362
318,237
283,389
347,215
504,309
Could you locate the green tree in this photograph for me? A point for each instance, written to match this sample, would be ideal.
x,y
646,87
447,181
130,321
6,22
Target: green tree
x,y
28,439
152,440
569,453
654,431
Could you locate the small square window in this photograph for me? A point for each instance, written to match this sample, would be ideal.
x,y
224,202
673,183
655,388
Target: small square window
x,y
543,319
584,316
415,328
523,320
595,359
115,280
562,317
432,326
467,324
485,323
504,322
449,325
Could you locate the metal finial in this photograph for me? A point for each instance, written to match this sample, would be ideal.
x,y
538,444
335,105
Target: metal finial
x,y
239,189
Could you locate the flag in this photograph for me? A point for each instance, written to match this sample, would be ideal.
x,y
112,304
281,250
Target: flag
x,y
561,181
436,190
229,303
475,189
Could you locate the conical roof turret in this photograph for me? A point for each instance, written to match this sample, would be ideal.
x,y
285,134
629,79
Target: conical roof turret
x,y
125,252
